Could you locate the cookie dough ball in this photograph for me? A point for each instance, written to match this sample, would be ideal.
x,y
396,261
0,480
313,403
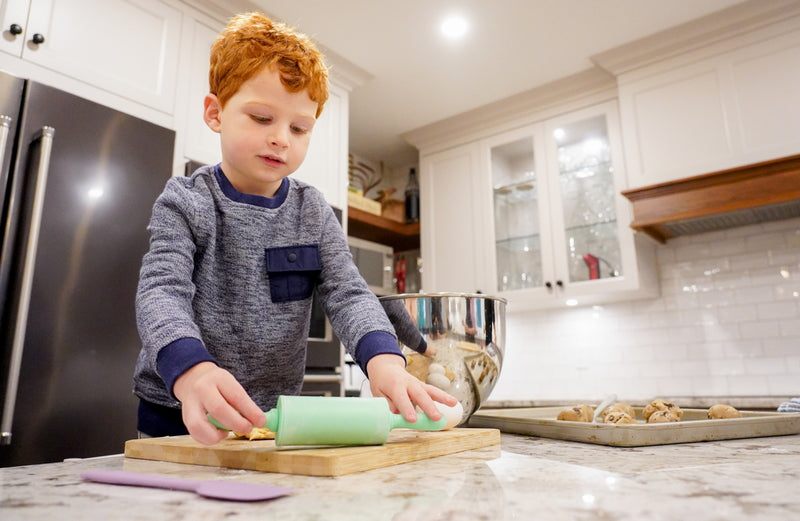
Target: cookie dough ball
x,y
579,413
618,417
663,417
661,405
435,368
439,380
618,407
722,411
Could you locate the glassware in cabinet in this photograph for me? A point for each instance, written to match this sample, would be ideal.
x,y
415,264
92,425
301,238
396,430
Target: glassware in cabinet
x,y
587,194
516,194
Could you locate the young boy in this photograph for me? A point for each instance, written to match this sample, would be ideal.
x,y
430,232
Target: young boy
x,y
237,250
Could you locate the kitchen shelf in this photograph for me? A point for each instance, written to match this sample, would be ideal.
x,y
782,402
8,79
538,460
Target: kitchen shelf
x,y
370,227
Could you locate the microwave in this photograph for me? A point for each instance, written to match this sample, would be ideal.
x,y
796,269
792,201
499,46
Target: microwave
x,y
375,262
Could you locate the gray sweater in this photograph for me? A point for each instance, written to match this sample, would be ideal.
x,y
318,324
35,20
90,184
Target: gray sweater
x,y
229,278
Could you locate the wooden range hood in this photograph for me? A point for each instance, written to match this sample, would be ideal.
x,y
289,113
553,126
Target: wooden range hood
x,y
760,192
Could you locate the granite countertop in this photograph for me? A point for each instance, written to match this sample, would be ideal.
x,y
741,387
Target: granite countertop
x,y
523,478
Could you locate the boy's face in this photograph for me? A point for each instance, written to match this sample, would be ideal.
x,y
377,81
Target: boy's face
x,y
264,131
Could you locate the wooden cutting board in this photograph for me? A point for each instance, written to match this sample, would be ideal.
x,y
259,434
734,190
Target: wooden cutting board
x,y
403,446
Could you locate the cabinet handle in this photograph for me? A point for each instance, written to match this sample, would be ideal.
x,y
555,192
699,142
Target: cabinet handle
x,y
560,284
37,38
15,363
15,29
549,284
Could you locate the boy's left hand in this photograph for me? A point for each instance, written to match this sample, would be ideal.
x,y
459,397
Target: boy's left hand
x,y
389,379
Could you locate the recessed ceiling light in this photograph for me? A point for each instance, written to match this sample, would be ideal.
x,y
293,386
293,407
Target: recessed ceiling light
x,y
454,27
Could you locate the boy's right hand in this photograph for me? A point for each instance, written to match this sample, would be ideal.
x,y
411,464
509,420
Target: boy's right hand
x,y
208,389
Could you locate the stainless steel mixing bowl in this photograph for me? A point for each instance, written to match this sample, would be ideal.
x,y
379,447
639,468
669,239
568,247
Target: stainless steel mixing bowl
x,y
465,338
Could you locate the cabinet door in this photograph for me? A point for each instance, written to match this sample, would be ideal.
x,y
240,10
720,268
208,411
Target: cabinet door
x,y
13,13
593,246
201,143
710,114
676,125
453,236
587,245
325,166
522,257
560,225
126,47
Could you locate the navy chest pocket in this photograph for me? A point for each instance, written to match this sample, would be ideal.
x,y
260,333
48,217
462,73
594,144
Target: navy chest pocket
x,y
293,272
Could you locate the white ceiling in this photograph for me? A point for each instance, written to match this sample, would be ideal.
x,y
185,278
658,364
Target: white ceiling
x,y
512,46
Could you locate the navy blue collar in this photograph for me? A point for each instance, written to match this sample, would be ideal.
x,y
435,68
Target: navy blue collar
x,y
256,200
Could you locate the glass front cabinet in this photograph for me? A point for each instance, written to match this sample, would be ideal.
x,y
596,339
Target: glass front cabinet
x,y
559,227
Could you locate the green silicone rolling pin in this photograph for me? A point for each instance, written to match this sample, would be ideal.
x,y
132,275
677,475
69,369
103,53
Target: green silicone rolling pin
x,y
318,420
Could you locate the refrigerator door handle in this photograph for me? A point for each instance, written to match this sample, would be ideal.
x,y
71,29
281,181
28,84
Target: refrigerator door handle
x,y
5,124
29,262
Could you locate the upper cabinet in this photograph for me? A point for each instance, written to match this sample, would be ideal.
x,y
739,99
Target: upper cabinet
x,y
201,144
454,223
729,99
325,165
127,48
534,214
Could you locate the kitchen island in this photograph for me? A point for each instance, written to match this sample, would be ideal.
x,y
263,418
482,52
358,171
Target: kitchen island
x,y
523,478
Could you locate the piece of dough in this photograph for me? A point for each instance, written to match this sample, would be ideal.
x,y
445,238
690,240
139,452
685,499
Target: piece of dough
x,y
664,416
661,405
257,433
618,407
618,417
721,411
418,365
578,413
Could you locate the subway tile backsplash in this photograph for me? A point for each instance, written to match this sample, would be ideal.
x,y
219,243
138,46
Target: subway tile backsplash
x,y
727,323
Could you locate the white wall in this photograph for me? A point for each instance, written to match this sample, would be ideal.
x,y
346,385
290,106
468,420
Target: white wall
x,y
727,324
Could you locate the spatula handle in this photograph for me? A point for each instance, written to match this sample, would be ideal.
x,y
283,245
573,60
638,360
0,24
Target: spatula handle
x,y
121,477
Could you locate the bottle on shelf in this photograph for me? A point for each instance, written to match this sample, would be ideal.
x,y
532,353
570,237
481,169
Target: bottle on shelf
x,y
412,197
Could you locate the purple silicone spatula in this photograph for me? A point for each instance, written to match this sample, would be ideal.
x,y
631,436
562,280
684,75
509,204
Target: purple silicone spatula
x,y
228,490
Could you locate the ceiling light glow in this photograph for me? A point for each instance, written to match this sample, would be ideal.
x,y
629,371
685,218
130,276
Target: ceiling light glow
x,y
95,192
454,27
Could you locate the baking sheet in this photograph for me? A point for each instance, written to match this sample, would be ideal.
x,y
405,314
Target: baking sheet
x,y
541,421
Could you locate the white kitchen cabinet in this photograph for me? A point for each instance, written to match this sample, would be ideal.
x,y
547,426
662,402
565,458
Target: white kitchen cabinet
x,y
201,143
717,107
128,48
453,233
535,215
325,166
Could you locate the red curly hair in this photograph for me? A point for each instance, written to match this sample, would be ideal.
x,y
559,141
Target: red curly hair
x,y
250,42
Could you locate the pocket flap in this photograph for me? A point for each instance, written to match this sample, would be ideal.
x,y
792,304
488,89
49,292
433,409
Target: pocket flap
x,y
293,258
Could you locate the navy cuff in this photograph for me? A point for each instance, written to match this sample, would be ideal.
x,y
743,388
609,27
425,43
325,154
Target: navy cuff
x,y
176,358
157,420
375,343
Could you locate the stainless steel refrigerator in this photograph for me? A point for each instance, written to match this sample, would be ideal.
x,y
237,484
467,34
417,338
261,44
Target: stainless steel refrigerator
x,y
78,183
